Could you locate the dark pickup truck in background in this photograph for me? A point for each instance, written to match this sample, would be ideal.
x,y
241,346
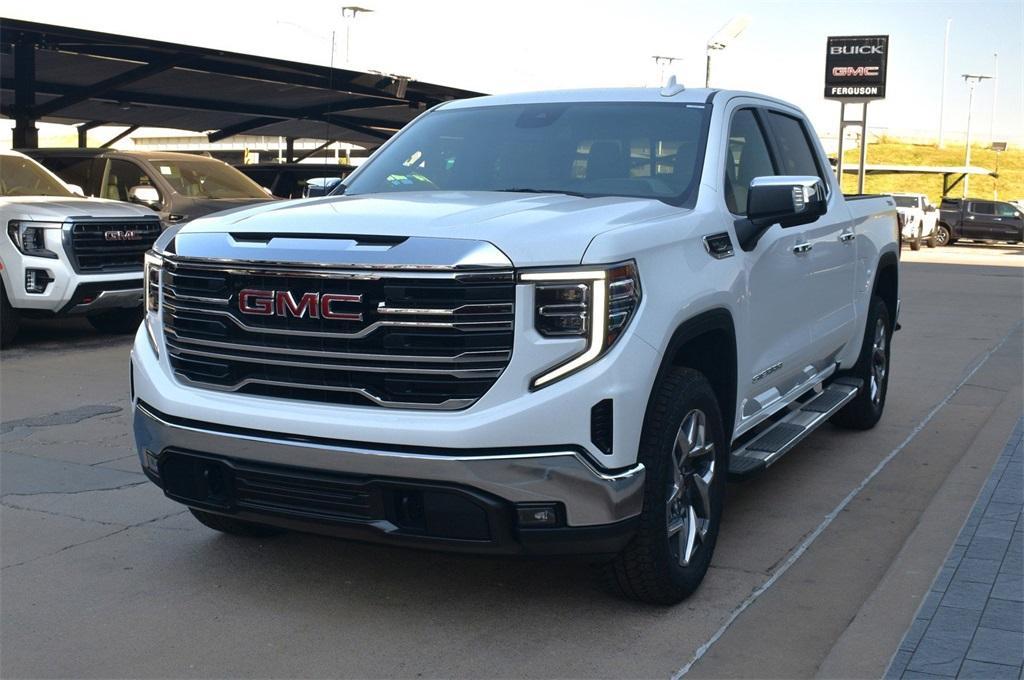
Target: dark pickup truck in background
x,y
979,220
179,186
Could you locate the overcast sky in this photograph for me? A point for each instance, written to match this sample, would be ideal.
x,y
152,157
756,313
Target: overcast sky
x,y
495,46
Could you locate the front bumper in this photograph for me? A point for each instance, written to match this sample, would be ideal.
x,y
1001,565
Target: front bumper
x,y
477,496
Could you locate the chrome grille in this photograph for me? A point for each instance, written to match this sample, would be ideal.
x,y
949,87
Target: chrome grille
x,y
93,252
424,340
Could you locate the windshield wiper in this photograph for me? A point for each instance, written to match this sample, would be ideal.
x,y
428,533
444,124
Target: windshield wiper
x,y
526,190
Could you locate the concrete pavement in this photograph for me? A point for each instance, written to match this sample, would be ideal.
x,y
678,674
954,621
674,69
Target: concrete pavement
x,y
104,577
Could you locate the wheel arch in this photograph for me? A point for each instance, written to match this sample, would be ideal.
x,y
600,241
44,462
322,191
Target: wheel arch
x,y
707,343
887,282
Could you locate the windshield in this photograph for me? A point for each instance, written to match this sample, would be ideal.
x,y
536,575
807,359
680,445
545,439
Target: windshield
x,y
207,178
906,201
647,150
24,177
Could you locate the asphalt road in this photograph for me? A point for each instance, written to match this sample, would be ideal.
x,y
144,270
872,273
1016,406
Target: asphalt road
x,y
820,567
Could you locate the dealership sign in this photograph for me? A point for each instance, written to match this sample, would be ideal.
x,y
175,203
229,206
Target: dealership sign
x,y
855,67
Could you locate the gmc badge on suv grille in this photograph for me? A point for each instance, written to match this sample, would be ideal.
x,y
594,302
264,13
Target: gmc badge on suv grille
x,y
283,303
125,235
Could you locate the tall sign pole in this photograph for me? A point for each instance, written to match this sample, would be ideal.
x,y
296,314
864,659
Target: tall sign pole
x,y
855,73
972,80
942,90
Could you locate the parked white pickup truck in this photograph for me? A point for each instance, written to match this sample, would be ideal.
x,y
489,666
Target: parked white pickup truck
x,y
920,219
537,323
64,254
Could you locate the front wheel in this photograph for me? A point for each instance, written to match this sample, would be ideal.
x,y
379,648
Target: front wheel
x,y
684,450
931,240
942,236
117,321
915,243
872,367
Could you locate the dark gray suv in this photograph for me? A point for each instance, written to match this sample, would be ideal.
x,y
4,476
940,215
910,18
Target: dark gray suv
x,y
179,186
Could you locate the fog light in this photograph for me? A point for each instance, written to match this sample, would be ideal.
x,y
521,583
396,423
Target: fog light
x,y
538,515
150,462
36,280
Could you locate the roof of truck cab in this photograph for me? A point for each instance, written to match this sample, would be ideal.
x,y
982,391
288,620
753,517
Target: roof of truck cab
x,y
134,153
699,95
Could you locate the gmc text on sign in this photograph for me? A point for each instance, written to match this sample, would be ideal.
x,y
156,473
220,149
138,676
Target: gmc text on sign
x,y
855,67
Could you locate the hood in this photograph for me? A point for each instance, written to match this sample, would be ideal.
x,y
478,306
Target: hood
x,y
532,230
54,208
200,207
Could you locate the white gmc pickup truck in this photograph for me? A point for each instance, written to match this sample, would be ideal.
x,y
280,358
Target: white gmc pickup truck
x,y
538,323
64,254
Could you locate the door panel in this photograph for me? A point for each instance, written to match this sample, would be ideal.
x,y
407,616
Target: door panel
x,y
830,262
775,338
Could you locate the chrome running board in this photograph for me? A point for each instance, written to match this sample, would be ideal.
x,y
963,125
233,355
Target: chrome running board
x,y
804,418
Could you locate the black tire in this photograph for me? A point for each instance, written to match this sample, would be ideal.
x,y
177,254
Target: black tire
x,y
915,243
943,237
931,240
866,408
10,320
235,527
117,321
650,569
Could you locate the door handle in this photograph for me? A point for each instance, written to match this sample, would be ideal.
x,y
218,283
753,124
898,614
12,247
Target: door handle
x,y
802,248
846,237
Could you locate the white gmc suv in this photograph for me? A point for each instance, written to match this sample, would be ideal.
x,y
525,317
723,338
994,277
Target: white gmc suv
x,y
539,323
64,254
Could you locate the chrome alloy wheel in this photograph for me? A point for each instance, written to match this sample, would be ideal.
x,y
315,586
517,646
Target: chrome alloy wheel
x,y
879,362
688,508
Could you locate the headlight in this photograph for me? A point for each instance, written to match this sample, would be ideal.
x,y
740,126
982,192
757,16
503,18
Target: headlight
x,y
592,303
151,281
30,237
153,264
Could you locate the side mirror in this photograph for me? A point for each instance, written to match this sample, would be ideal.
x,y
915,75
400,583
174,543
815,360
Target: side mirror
x,y
787,200
75,189
145,195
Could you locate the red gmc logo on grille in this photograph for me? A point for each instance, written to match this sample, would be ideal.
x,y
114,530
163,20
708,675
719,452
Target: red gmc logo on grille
x,y
283,303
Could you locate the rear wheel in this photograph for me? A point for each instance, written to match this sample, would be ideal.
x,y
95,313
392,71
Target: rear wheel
x,y
872,368
117,321
915,243
942,236
931,240
684,450
10,320
235,527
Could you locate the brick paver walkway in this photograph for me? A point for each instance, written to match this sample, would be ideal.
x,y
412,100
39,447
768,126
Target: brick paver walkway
x,y
971,624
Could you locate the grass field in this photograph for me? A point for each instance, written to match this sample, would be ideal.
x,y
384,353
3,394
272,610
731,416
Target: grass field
x,y
893,152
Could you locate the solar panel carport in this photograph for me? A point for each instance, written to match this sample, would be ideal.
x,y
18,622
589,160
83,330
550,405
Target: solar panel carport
x,y
73,76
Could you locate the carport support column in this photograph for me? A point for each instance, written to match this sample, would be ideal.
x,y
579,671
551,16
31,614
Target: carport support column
x,y
25,135
289,149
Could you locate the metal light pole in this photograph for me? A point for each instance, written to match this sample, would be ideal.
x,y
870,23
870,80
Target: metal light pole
x,y
661,62
995,86
719,41
942,95
351,12
972,79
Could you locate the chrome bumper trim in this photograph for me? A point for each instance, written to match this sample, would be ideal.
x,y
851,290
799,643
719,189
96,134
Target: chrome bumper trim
x,y
590,496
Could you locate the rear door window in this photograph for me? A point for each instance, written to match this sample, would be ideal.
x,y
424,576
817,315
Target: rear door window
x,y
983,208
74,171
